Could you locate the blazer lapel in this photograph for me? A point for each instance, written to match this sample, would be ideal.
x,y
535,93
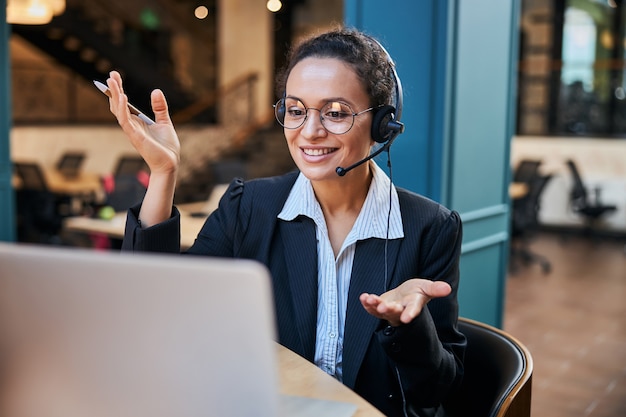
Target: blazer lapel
x,y
368,275
300,247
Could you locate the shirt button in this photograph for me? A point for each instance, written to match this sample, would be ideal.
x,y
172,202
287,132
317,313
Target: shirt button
x,y
388,331
331,334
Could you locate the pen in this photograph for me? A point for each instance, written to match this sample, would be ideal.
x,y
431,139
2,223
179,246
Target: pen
x,y
133,110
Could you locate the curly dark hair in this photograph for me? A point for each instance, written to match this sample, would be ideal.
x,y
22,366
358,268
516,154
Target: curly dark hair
x,y
362,52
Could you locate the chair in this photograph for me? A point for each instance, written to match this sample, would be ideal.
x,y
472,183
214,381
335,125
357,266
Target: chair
x,y
69,163
498,375
590,209
39,211
130,165
127,191
526,170
525,224
31,176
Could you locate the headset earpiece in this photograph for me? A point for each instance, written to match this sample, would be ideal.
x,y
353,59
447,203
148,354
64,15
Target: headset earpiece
x,y
381,131
386,123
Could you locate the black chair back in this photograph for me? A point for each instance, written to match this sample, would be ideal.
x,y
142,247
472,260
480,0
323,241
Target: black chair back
x,y
578,193
127,192
70,163
498,375
31,176
525,214
590,208
130,165
526,170
38,213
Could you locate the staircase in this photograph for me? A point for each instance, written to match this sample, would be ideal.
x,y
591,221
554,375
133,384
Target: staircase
x,y
92,44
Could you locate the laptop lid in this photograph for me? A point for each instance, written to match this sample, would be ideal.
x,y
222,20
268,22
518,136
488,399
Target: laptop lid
x,y
85,333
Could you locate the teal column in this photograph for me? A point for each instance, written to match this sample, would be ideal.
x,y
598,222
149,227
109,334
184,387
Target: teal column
x,y
456,60
7,207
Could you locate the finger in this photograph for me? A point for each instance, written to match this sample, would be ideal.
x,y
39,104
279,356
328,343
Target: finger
x,y
438,289
118,101
159,106
114,82
390,308
412,310
369,300
434,289
370,303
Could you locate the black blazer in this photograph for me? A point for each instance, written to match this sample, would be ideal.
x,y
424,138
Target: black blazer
x,y
412,366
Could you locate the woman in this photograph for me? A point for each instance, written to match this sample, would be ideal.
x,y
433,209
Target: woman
x,y
365,276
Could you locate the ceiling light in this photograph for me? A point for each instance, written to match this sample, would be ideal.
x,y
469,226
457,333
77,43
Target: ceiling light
x,y
29,12
274,5
201,12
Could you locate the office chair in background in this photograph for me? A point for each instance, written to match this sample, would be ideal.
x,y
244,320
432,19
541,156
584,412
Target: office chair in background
x,y
526,170
40,212
525,225
591,210
525,216
128,183
70,163
130,165
498,374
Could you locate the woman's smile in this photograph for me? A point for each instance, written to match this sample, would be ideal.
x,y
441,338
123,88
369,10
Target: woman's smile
x,y
318,151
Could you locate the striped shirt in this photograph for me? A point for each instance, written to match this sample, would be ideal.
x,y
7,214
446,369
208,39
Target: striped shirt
x,y
334,273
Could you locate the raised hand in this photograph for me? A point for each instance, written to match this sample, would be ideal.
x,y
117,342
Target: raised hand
x,y
157,144
405,302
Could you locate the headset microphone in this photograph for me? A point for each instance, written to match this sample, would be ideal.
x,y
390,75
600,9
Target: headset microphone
x,y
343,171
395,127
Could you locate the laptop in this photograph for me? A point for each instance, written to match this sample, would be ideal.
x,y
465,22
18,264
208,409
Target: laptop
x,y
86,333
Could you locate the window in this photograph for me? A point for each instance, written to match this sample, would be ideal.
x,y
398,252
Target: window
x,y
571,74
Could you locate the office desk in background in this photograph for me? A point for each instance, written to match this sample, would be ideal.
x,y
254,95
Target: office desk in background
x,y
83,183
114,228
192,217
58,183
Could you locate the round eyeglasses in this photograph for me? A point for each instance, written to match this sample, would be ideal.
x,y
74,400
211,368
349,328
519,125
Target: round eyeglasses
x,y
336,117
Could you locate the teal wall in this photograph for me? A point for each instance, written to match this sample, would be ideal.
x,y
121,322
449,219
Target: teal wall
x,y
7,215
456,62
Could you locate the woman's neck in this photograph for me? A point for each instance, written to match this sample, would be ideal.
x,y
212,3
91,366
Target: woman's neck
x,y
344,194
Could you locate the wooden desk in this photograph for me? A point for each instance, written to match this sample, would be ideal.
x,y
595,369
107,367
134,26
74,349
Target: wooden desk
x,y
518,190
83,183
300,377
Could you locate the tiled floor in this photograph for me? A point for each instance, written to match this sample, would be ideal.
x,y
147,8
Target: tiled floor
x,y
573,320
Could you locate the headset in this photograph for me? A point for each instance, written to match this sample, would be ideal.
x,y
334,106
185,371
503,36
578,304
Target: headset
x,y
386,125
